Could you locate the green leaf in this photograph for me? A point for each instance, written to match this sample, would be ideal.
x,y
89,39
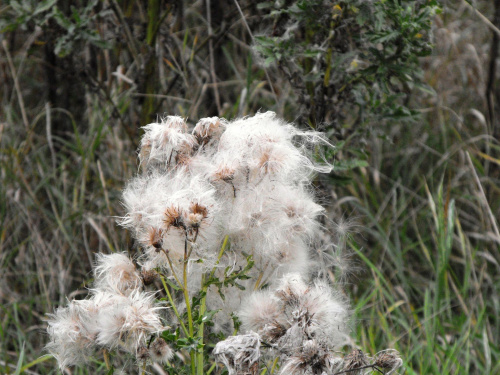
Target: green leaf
x,y
173,285
44,6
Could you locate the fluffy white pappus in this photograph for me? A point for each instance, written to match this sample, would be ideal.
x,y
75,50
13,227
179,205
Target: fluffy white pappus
x,y
292,256
271,220
259,310
310,359
166,143
328,314
72,333
164,208
116,273
291,288
271,146
128,321
159,351
300,209
208,131
240,354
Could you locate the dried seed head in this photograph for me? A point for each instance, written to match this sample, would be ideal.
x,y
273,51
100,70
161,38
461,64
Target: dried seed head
x,y
388,360
240,354
291,288
148,276
182,159
173,217
225,174
117,273
142,354
175,122
197,213
355,360
160,351
197,208
155,238
310,349
206,129
272,332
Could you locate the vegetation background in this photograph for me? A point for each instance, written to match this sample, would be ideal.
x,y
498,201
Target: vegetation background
x,y
407,90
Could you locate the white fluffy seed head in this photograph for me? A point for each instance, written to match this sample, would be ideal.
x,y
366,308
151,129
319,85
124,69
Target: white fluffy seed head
x,y
240,354
159,351
208,130
166,144
116,273
259,310
72,333
128,321
249,179
292,287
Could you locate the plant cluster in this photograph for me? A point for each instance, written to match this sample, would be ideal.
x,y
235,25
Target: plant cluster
x,y
352,63
226,222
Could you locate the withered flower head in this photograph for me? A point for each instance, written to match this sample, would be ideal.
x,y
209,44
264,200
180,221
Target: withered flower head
x,y
156,238
160,351
388,360
148,276
355,360
273,331
206,129
142,354
197,213
173,217
175,122
225,174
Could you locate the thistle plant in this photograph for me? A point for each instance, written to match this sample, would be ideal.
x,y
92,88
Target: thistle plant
x,y
231,254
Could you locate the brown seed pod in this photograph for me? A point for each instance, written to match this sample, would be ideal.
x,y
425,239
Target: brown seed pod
x,y
355,360
148,276
156,238
173,217
388,360
142,354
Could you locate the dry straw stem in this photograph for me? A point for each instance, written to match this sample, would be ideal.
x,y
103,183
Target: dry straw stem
x,y
482,17
16,84
483,198
253,39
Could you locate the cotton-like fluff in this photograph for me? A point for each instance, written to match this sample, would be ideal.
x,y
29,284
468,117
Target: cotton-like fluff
x,y
166,144
265,146
262,311
208,131
268,218
72,333
310,360
126,321
248,179
166,210
159,351
116,273
240,354
298,312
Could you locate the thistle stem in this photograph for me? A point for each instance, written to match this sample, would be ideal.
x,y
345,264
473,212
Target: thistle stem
x,y
169,296
203,309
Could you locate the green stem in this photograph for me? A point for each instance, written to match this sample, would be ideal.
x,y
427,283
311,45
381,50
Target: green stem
x,y
274,365
188,306
203,308
211,368
173,305
186,298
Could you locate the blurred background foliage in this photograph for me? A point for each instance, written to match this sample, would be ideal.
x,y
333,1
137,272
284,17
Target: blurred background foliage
x,y
408,91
